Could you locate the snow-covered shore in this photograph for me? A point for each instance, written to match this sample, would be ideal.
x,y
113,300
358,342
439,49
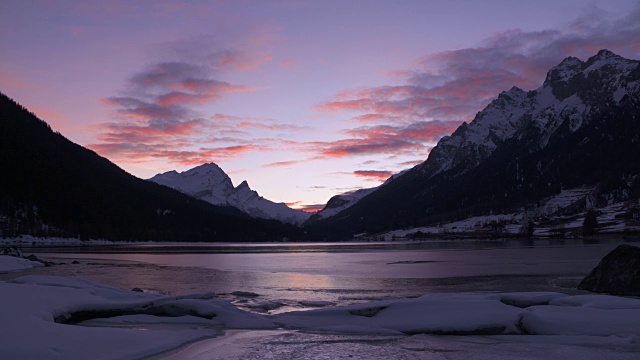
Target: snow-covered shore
x,y
26,241
41,317
13,263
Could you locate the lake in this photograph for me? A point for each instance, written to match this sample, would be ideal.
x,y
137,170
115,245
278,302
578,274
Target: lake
x,y
284,276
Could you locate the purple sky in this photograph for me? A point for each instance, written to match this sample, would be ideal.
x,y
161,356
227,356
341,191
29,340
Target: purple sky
x,y
304,99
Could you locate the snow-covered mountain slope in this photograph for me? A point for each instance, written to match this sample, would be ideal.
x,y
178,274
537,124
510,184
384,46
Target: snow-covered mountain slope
x,y
516,111
210,183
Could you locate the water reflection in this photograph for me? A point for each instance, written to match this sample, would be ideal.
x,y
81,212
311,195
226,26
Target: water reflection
x,y
303,281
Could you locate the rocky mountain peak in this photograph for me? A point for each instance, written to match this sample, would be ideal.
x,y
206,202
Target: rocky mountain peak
x,y
605,54
564,71
244,185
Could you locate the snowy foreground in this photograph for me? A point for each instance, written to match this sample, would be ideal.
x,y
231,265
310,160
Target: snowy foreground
x,y
13,263
47,317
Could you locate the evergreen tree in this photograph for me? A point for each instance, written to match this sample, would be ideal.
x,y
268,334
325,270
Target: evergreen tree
x,y
590,224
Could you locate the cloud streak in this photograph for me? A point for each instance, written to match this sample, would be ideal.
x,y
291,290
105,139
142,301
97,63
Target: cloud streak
x,y
386,139
373,175
140,152
309,208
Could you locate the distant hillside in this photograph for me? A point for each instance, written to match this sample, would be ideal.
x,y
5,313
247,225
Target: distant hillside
x,y
581,128
52,186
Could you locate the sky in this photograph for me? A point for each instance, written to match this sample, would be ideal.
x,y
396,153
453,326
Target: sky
x,y
303,99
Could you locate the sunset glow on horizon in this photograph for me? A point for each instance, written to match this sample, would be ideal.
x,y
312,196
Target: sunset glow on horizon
x,y
303,99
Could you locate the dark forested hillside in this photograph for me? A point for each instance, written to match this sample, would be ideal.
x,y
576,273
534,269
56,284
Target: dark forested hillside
x,y
52,186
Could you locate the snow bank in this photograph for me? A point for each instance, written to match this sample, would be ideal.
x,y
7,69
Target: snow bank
x,y
599,315
31,305
598,301
544,313
564,320
436,313
12,263
48,309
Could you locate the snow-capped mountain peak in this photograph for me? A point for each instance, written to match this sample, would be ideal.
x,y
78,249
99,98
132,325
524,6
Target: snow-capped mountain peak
x,y
568,68
210,183
243,184
207,182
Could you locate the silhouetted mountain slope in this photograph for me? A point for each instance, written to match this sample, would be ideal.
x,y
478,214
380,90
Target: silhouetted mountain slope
x,y
52,186
581,127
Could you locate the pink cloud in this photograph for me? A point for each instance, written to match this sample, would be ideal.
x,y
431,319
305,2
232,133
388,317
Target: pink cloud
x,y
132,152
411,163
271,127
310,208
57,120
386,139
179,98
10,80
250,122
215,154
347,105
373,175
158,111
349,147
154,131
288,63
233,118
283,163
292,162
377,118
147,110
